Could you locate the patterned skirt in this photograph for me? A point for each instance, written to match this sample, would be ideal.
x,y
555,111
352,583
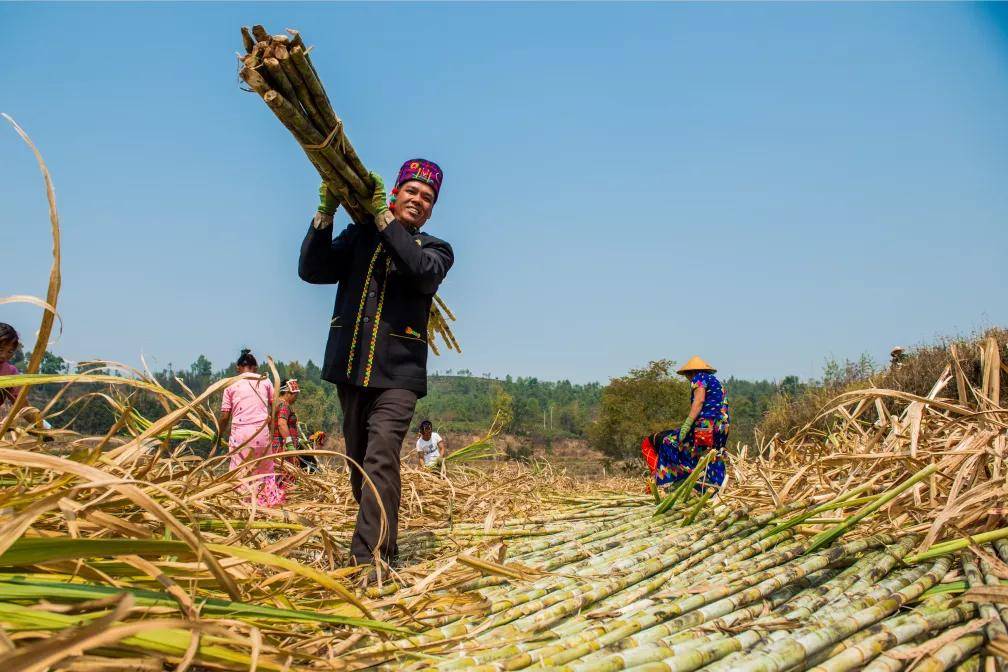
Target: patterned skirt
x,y
677,458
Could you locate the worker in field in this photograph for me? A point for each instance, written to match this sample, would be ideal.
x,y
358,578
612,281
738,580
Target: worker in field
x,y
672,454
431,447
896,357
387,271
245,408
10,342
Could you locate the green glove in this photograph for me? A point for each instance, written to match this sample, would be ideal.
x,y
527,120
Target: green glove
x,y
379,199
327,202
684,430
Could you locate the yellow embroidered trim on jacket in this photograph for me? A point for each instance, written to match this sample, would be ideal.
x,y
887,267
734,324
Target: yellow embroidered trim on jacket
x,y
377,321
360,311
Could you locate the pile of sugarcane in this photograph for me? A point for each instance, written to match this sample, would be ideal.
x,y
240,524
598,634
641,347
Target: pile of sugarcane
x,y
617,589
279,69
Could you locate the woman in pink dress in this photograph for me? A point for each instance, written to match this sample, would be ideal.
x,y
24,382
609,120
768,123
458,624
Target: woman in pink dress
x,y
9,342
247,405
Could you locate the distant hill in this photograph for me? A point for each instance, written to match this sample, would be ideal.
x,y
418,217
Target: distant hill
x,y
457,400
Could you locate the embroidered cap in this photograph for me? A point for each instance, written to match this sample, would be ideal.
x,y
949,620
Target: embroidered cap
x,y
290,385
421,170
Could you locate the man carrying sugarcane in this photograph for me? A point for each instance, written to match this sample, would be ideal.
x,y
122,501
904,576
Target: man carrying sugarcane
x,y
387,272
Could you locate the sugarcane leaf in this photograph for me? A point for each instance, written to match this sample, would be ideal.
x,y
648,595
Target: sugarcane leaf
x,y
32,551
36,550
159,636
998,594
938,642
23,589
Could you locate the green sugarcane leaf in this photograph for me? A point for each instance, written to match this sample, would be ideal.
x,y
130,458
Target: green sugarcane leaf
x,y
169,641
17,590
31,551
35,550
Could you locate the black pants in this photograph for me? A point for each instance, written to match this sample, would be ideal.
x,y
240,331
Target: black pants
x,y
375,423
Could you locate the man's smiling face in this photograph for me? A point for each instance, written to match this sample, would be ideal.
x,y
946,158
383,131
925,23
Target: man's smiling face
x,y
414,203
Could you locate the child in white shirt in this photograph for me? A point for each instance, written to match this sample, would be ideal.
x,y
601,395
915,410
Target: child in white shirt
x,y
430,447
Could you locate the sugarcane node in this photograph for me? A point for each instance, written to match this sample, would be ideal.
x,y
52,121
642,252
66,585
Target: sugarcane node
x,y
260,33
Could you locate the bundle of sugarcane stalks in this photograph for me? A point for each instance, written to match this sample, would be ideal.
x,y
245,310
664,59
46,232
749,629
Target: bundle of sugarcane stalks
x,y
279,69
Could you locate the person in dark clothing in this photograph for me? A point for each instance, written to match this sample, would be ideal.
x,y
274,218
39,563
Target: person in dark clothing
x,y
387,272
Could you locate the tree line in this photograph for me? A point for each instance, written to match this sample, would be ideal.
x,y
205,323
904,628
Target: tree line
x,y
612,417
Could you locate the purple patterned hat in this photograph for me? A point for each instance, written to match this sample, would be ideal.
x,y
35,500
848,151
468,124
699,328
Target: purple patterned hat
x,y
422,170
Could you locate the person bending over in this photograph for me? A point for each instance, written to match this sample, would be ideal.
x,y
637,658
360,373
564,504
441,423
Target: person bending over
x,y
430,446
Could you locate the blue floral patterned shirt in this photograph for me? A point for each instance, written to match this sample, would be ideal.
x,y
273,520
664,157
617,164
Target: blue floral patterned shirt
x,y
715,405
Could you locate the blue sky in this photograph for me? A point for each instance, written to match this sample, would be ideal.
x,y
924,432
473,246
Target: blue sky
x,y
761,184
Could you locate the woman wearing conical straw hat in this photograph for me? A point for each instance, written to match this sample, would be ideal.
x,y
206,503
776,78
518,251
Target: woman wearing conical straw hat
x,y
672,454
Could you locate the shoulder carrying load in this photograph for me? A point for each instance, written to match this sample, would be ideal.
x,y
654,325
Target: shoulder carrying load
x,y
278,68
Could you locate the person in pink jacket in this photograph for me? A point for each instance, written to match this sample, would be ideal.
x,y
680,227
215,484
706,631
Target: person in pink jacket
x,y
9,342
247,405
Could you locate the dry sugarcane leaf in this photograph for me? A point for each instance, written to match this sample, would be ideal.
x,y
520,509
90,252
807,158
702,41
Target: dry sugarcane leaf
x,y
52,293
996,594
513,571
997,567
938,642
